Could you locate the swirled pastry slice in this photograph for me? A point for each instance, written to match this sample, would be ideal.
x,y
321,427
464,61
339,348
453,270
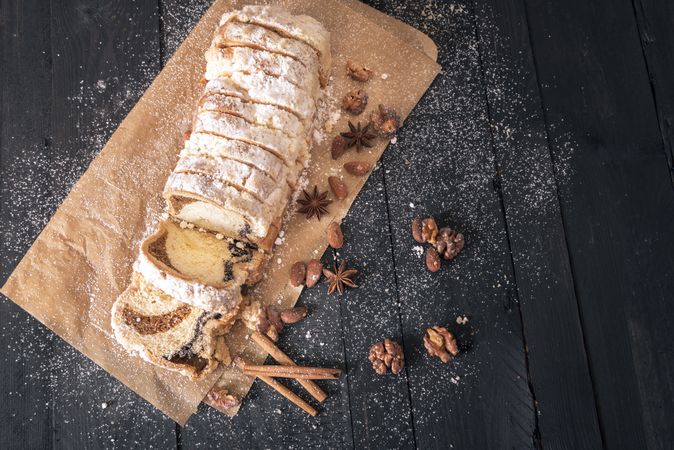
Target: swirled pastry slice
x,y
203,269
169,333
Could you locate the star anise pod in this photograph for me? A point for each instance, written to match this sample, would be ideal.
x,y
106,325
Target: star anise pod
x,y
314,204
339,278
358,137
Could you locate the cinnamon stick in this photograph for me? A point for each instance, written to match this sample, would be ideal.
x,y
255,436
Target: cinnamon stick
x,y
296,372
281,389
268,345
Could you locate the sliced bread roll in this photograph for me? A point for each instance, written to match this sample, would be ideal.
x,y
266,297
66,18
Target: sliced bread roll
x,y
233,33
248,146
302,28
169,333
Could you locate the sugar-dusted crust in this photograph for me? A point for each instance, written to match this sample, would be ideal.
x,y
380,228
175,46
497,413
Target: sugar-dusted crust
x,y
220,148
224,62
261,88
233,33
233,127
255,113
300,27
246,178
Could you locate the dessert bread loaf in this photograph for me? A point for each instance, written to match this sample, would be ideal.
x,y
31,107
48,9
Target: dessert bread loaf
x,y
226,197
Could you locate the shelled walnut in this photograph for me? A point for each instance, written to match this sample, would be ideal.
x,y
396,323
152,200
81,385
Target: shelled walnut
x,y
441,343
221,398
387,355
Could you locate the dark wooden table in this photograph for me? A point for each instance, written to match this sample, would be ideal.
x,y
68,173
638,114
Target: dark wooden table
x,y
547,139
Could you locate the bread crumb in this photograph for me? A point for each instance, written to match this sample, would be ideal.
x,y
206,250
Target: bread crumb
x,y
183,224
104,405
219,236
384,76
394,140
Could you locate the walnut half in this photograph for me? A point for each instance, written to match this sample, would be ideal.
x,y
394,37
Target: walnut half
x,y
441,343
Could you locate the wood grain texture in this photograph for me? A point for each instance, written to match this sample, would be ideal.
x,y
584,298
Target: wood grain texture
x,y
104,55
546,140
442,165
618,208
558,366
380,406
654,21
25,187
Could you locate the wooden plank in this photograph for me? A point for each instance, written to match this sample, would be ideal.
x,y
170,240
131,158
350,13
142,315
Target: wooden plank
x,y
654,20
25,75
104,56
380,406
442,165
558,365
618,209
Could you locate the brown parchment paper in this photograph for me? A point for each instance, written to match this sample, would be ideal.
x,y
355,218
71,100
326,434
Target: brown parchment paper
x,y
82,259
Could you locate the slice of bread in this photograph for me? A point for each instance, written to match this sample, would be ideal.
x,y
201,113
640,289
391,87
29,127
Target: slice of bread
x,y
200,268
169,333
